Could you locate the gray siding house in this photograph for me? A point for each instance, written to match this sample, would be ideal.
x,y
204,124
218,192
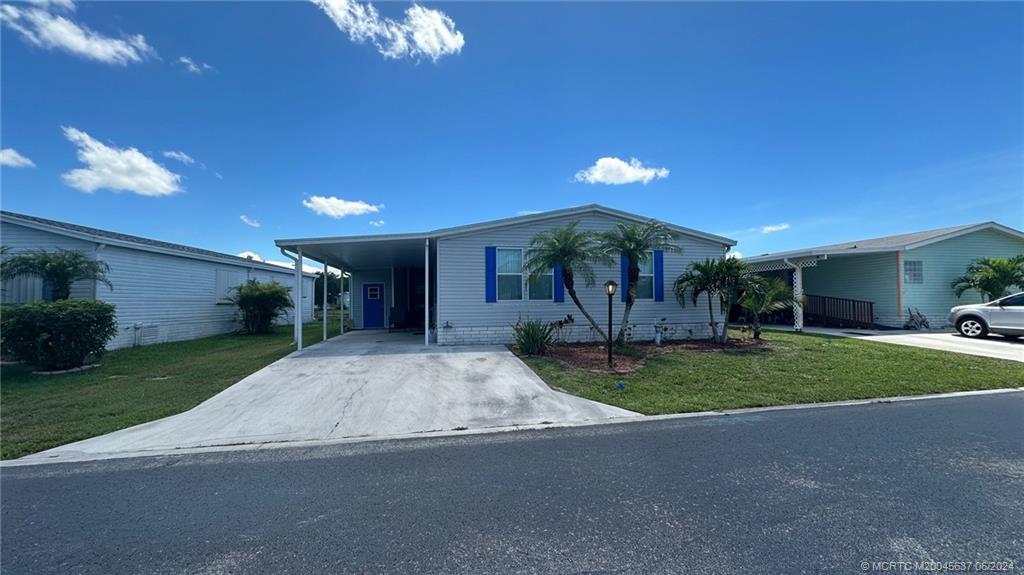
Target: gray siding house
x,y
893,274
466,284
162,291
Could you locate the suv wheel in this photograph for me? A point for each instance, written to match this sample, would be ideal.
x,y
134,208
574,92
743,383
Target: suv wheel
x,y
971,327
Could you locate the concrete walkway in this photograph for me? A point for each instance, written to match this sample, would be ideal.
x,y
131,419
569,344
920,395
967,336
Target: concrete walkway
x,y
361,384
992,346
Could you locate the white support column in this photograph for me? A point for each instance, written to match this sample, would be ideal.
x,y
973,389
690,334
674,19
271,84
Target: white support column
x,y
324,302
341,301
798,297
426,291
297,295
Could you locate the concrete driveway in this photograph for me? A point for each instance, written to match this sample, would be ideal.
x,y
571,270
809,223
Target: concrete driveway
x,y
358,385
993,346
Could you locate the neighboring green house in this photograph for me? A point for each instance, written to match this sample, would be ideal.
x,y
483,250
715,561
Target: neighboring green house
x,y
876,281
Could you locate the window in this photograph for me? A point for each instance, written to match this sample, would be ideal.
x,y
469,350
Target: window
x,y
510,273
227,280
1013,301
372,292
541,287
913,272
645,283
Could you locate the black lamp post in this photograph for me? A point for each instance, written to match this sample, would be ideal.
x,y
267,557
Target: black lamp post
x,y
610,288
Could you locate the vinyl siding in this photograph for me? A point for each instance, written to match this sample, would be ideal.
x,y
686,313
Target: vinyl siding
x,y
868,277
947,260
27,289
462,309
159,297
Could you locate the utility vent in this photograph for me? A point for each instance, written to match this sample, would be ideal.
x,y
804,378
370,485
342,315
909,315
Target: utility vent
x,y
147,334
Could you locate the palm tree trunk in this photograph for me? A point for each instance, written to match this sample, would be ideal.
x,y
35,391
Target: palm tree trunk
x,y
632,277
570,286
711,316
757,327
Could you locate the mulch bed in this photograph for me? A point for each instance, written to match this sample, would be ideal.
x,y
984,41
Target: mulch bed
x,y
593,357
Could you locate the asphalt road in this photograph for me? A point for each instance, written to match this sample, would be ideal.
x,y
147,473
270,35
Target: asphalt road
x,y
803,491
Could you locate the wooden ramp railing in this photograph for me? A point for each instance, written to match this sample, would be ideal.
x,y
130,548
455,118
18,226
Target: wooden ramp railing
x,y
827,311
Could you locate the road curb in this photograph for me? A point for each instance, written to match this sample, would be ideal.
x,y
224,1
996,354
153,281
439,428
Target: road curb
x,y
73,457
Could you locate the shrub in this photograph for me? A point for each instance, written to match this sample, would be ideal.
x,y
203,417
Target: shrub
x,y
261,304
58,335
533,337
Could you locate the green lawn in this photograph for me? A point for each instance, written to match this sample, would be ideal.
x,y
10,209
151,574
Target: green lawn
x,y
132,386
792,369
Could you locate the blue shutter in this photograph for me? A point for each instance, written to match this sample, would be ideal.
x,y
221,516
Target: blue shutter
x,y
623,276
491,271
659,275
559,286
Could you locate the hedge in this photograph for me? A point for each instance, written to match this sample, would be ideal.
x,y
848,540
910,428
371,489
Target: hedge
x,y
59,335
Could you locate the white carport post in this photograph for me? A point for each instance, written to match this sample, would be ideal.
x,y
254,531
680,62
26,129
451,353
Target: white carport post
x,y
341,300
298,298
798,294
426,291
324,302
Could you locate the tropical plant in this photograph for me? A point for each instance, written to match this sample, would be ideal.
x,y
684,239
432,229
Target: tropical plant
x,y
991,277
635,242
58,269
59,335
725,279
532,336
763,296
261,304
572,251
701,277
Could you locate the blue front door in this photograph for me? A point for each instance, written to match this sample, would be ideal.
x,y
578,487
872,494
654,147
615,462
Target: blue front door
x,y
373,305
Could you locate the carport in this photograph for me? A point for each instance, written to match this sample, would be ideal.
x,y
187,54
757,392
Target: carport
x,y
389,277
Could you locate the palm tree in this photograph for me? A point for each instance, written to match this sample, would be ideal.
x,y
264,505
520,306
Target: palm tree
x,y
702,277
572,251
58,269
635,242
765,295
991,277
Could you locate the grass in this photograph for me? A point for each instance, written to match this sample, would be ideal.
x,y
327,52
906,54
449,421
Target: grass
x,y
794,368
132,386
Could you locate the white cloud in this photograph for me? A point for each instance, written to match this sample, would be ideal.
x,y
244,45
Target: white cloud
x,y
194,67
12,159
734,254
249,221
219,177
770,229
339,208
180,156
119,169
40,25
527,212
612,170
377,223
423,32
284,264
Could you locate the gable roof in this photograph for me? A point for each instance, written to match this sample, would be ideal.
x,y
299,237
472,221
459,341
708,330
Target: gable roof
x,y
900,242
507,222
125,240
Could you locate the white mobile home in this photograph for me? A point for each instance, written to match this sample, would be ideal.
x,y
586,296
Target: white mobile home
x,y
466,284
162,291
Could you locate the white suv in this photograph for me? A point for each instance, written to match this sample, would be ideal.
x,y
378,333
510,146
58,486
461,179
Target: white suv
x,y
1004,316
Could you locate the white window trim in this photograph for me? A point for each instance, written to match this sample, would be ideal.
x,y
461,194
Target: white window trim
x,y
650,257
522,275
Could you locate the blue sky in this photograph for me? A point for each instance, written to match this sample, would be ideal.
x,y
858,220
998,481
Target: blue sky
x,y
781,125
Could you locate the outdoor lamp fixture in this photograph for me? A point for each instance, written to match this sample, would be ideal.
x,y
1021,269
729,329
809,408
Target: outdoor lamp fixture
x,y
610,288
